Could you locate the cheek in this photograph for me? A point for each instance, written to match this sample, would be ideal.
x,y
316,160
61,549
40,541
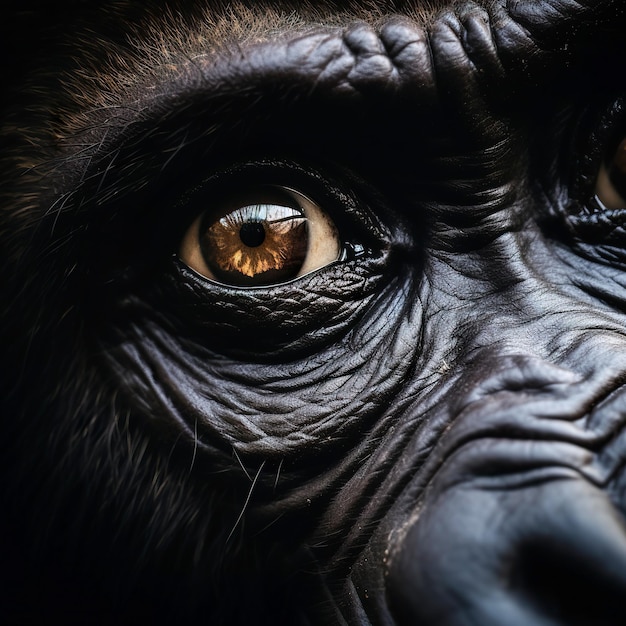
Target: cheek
x,y
300,408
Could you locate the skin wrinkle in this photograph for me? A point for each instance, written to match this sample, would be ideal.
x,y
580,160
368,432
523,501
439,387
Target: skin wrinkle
x,y
459,437
109,127
360,424
336,314
268,407
455,422
420,433
114,81
479,41
371,59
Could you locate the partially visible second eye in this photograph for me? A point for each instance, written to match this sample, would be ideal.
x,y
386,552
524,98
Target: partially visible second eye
x,y
611,182
265,236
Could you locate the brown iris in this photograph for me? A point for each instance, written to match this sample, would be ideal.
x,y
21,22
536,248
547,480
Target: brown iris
x,y
256,244
611,182
264,236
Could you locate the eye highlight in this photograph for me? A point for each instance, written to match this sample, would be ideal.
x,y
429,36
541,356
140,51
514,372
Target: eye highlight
x,y
265,236
610,187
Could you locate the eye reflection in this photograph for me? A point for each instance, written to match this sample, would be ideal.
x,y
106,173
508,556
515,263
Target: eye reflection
x,y
611,183
265,242
266,236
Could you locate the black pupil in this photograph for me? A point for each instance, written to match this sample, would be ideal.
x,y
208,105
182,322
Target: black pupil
x,y
252,234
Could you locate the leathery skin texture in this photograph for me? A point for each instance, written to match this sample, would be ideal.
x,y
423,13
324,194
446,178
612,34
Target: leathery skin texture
x,y
424,426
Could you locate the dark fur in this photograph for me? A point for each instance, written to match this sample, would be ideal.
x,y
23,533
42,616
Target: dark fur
x,y
112,512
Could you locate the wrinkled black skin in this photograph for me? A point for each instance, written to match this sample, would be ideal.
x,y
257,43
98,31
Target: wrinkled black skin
x,y
430,433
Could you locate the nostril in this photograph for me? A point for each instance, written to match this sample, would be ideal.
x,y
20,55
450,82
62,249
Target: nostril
x,y
564,587
549,554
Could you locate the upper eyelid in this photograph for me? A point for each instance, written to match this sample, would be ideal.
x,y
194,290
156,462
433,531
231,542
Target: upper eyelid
x,y
159,224
337,196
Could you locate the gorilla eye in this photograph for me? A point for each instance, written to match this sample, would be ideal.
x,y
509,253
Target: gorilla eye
x,y
265,236
611,183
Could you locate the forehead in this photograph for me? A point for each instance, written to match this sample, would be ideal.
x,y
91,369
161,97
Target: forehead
x,y
127,40
117,63
120,43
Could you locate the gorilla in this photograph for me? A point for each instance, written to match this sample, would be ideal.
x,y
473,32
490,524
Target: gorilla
x,y
313,313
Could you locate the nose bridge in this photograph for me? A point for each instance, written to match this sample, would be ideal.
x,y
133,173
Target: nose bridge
x,y
516,411
515,296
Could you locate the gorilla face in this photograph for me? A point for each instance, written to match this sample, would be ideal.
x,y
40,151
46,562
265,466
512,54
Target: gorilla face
x,y
314,314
